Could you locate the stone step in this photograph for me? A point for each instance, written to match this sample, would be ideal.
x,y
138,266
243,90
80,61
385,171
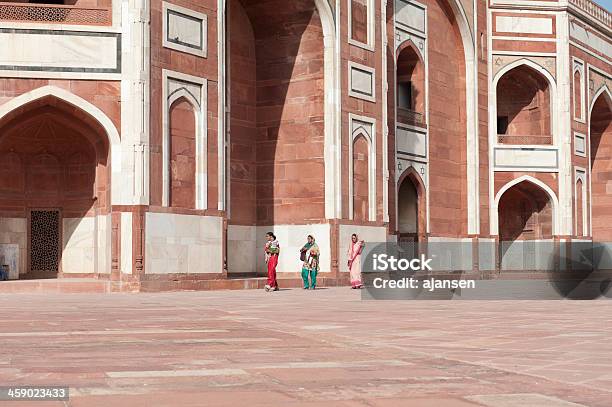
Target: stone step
x,y
90,285
66,285
228,284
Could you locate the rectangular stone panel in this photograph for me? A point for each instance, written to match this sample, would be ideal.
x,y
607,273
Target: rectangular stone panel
x,y
184,30
580,144
411,142
60,51
79,245
523,25
185,244
126,243
526,159
590,39
361,81
9,256
410,15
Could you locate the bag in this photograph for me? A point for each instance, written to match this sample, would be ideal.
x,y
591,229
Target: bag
x,y
302,255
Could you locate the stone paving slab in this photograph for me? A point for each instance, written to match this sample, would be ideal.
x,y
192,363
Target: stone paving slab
x,y
299,348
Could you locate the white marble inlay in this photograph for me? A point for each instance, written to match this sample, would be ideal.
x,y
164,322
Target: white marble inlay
x,y
410,15
526,158
590,39
527,25
183,244
411,142
184,29
112,332
177,373
55,51
361,81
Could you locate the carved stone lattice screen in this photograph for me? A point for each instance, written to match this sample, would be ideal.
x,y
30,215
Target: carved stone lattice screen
x,y
55,14
44,240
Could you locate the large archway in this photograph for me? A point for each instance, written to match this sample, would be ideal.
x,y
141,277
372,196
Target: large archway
x,y
449,91
277,119
601,167
276,122
54,188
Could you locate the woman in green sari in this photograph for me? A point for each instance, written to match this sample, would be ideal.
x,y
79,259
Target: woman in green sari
x,y
309,254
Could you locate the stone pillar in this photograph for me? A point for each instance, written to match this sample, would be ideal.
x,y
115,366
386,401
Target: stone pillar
x,y
134,180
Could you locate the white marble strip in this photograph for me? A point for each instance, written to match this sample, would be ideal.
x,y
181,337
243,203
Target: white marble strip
x,y
330,365
177,373
113,332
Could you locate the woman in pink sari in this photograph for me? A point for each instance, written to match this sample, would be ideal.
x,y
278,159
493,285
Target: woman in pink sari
x,y
354,260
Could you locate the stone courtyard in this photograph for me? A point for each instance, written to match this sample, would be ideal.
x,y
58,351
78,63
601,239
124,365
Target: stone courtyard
x,y
303,348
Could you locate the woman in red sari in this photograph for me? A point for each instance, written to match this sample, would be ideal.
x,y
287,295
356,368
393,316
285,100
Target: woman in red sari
x,y
354,261
271,250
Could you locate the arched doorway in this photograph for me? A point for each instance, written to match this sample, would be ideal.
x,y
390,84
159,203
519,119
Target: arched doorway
x,y
411,209
55,187
523,107
526,227
601,167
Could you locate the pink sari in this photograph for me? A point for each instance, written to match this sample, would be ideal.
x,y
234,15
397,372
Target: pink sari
x,y
354,257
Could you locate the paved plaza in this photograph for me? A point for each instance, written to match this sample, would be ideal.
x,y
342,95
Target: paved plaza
x,y
306,348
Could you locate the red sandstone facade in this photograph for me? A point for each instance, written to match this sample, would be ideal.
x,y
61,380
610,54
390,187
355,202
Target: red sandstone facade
x,y
153,143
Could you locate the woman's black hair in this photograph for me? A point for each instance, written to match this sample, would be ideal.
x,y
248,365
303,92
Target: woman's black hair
x,y
271,234
311,236
355,234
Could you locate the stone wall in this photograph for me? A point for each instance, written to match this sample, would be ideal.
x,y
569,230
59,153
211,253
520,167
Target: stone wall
x,y
13,231
183,244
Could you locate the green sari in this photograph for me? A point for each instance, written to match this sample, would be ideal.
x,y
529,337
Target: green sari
x,y
310,267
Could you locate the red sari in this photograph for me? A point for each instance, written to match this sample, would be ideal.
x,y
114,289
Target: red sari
x,y
272,250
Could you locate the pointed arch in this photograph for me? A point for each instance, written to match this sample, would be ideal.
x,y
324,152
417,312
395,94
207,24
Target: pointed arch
x,y
110,131
527,62
602,90
408,43
578,92
410,84
525,178
551,123
70,98
411,175
358,133
201,141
